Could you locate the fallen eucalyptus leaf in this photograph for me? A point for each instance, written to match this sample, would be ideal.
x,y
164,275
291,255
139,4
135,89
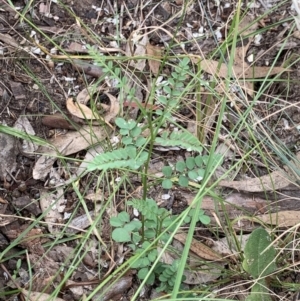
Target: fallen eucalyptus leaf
x,y
281,218
70,143
80,110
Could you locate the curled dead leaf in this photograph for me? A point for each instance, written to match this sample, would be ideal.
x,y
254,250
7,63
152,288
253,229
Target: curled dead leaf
x,y
84,96
154,51
37,296
274,181
238,70
114,108
67,144
199,248
287,218
211,66
80,110
58,121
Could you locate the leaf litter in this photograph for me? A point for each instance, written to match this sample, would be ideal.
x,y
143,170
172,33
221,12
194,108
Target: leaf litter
x,y
48,166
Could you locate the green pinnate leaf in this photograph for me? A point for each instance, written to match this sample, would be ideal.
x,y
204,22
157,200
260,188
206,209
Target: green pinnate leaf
x,y
135,132
175,75
145,261
171,81
143,156
116,222
127,140
146,244
150,280
180,166
193,175
204,219
117,71
129,227
167,184
124,132
137,224
150,224
167,89
163,99
152,255
138,263
136,237
131,151
132,246
184,62
124,217
121,235
162,212
181,79
183,139
167,171
165,237
121,123
199,161
167,222
131,124
149,233
124,124
178,69
118,159
140,141
201,172
187,219
205,159
177,92
183,181
163,278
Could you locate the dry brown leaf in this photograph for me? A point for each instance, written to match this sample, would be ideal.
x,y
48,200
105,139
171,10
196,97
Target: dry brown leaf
x,y
274,181
247,86
44,8
244,25
281,219
114,290
91,153
9,150
140,49
80,110
203,274
80,223
136,68
211,66
84,95
154,51
87,68
28,147
76,47
199,248
59,121
70,143
6,38
18,90
240,54
50,203
235,205
37,296
114,108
